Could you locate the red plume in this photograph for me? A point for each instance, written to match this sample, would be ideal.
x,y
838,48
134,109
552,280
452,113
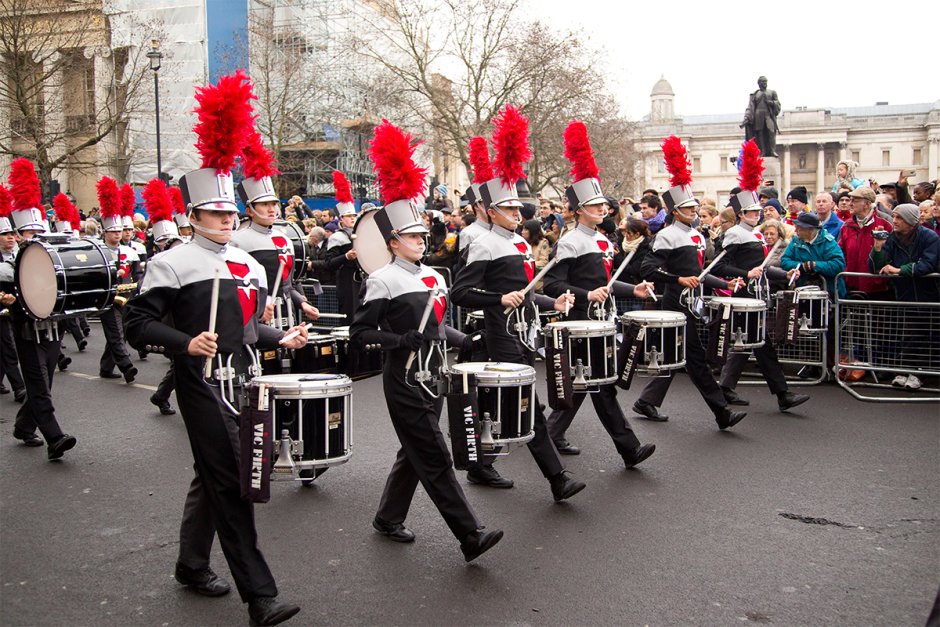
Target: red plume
x,y
258,161
225,118
157,200
109,197
63,208
6,202
128,200
24,185
677,161
480,160
578,151
75,219
392,153
341,185
176,197
511,142
751,172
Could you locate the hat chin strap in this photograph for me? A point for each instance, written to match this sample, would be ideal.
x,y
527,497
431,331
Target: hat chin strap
x,y
204,230
408,245
516,221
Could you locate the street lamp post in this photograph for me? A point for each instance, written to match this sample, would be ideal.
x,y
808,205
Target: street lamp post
x,y
156,57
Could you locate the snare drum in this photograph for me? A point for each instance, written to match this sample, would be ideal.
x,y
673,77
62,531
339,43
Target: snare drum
x,y
357,364
473,322
661,340
56,280
748,320
813,306
504,394
296,235
316,412
591,352
319,355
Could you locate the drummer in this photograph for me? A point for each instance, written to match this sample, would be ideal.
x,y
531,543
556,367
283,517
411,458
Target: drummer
x,y
499,266
745,252
585,263
37,341
676,260
341,258
9,364
269,248
396,297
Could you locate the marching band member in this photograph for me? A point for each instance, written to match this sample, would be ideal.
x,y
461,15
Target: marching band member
x,y
183,226
340,256
171,315
68,221
37,341
676,260
9,363
479,156
745,251
499,265
112,321
128,203
395,299
585,263
267,246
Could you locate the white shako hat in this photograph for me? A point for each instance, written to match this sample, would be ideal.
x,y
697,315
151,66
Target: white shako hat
x,y
109,201
26,197
586,188
257,190
399,218
208,188
676,157
745,200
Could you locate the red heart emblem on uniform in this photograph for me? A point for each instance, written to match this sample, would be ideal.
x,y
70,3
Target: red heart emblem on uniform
x,y
607,255
285,254
699,242
247,294
440,303
528,262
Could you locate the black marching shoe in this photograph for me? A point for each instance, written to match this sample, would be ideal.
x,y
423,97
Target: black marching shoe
x,y
29,439
479,542
108,375
732,398
58,447
564,486
82,346
4,389
567,448
19,395
727,418
269,611
640,454
164,406
202,580
64,362
789,400
488,476
393,531
649,412
130,374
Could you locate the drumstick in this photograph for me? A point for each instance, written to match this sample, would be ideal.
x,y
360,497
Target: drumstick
x,y
213,313
332,315
538,277
287,338
620,268
424,322
712,265
567,302
277,280
652,290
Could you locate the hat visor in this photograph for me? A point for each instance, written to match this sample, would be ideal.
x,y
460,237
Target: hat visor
x,y
597,200
691,202
413,228
512,203
218,205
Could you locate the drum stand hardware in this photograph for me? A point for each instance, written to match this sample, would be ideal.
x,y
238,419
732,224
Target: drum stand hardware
x,y
284,466
431,382
653,357
804,324
488,429
580,372
739,341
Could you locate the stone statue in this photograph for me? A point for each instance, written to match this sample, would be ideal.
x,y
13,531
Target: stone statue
x,y
760,119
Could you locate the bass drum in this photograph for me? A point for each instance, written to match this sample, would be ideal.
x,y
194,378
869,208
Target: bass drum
x,y
56,280
371,251
295,234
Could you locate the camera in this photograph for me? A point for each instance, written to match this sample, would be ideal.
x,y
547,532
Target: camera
x,y
879,234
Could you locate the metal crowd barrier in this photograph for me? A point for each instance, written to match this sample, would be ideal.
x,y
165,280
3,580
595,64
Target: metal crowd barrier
x,y
886,339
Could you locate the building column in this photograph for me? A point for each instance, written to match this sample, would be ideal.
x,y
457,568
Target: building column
x,y
844,151
933,158
785,174
820,167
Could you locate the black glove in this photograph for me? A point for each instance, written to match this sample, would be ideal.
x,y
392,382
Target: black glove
x,y
809,266
411,339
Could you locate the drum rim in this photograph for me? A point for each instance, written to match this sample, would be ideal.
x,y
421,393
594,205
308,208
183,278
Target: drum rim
x,y
521,373
737,302
581,328
654,315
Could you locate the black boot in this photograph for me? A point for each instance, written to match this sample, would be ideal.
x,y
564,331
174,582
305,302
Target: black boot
x,y
639,454
649,412
727,418
202,580
732,398
479,542
393,531
789,400
564,486
567,448
487,475
269,611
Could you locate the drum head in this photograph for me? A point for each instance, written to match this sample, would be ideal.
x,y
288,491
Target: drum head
x,y
590,328
305,385
497,373
648,317
36,280
741,304
371,251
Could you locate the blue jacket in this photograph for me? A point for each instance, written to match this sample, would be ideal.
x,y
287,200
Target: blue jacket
x,y
825,252
855,183
833,225
915,257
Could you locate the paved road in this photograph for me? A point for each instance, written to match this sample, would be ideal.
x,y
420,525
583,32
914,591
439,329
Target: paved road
x,y
828,515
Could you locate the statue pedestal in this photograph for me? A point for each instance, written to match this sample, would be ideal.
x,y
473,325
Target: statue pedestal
x,y
772,173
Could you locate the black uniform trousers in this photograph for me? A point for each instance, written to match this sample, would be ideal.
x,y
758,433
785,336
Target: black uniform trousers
x,y
73,327
9,363
166,385
38,361
697,368
214,504
608,412
423,457
767,362
115,350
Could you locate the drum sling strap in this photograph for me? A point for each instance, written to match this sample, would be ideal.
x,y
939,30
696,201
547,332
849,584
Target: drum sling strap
x,y
787,319
633,335
255,428
463,418
558,369
719,336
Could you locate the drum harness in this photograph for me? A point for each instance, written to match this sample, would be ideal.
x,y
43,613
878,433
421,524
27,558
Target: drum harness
x,y
524,321
696,304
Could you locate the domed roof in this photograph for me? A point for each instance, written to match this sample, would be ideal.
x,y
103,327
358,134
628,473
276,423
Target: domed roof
x,y
662,88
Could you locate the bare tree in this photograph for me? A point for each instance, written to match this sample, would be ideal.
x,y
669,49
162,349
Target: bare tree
x,y
491,56
64,88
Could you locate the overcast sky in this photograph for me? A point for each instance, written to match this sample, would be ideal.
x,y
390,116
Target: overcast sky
x,y
815,53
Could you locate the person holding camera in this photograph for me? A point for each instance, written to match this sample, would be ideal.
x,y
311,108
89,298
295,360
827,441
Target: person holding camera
x,y
855,240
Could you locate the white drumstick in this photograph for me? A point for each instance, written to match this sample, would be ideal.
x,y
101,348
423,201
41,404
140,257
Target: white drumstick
x,y
287,338
432,296
535,279
277,280
213,314
332,315
567,302
652,290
